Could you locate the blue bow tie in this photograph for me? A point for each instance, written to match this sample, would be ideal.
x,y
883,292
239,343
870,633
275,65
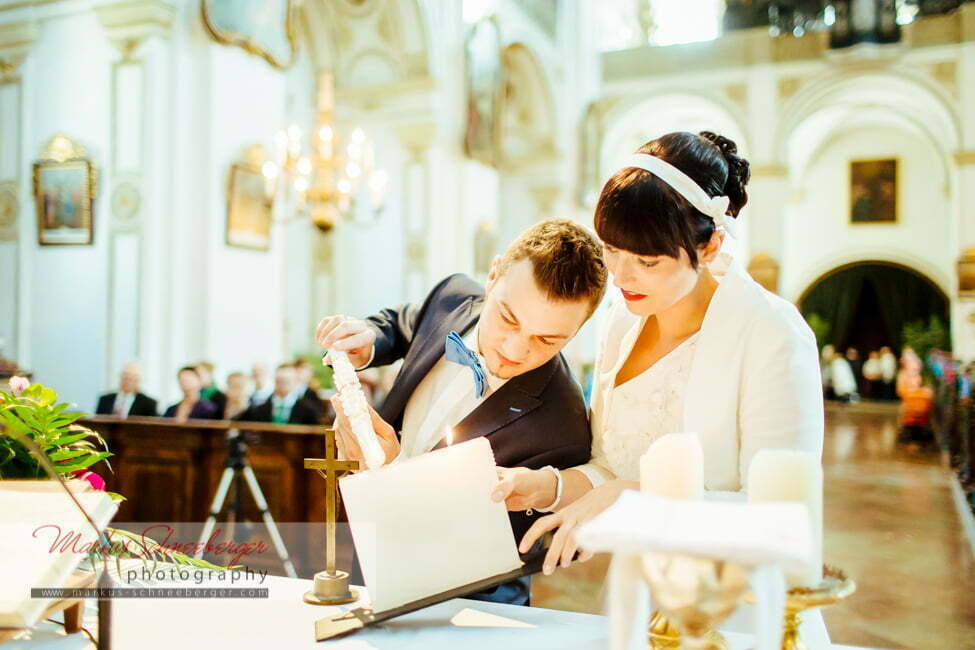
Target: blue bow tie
x,y
457,352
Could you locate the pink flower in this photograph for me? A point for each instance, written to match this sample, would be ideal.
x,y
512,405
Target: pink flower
x,y
97,482
18,385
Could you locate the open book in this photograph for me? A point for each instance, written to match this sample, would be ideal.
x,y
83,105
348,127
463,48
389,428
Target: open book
x,y
428,525
43,538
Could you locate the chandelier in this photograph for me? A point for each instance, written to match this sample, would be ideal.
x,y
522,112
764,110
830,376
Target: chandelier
x,y
328,181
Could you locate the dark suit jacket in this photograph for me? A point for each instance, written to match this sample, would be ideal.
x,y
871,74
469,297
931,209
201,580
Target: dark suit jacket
x,y
202,410
535,419
303,412
141,405
219,400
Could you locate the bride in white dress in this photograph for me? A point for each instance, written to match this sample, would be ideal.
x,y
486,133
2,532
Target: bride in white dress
x,y
696,345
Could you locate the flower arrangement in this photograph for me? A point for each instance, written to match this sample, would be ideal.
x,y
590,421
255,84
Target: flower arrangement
x,y
33,412
40,439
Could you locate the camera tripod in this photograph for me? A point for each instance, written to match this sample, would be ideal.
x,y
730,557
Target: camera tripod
x,y
235,468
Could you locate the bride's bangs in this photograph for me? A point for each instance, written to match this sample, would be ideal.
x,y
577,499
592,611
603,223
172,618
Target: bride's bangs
x,y
639,214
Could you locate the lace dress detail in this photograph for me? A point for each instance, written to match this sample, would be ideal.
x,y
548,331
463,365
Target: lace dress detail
x,y
643,409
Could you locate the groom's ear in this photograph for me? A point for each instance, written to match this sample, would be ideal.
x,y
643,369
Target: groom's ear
x,y
492,275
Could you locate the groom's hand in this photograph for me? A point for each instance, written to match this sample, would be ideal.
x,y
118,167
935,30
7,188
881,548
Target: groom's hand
x,y
348,446
353,336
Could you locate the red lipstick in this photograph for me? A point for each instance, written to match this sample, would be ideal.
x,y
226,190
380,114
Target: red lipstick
x,y
632,297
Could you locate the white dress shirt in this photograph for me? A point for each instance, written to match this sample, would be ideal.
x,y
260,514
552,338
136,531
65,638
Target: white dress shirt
x,y
442,399
123,403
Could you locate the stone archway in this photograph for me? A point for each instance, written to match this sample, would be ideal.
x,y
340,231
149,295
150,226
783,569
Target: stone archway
x,y
867,304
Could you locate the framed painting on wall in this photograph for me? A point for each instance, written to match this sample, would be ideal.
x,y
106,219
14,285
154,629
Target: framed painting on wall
x,y
264,28
248,208
873,191
482,50
64,190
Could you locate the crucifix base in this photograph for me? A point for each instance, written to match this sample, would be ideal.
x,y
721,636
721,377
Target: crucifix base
x,y
331,589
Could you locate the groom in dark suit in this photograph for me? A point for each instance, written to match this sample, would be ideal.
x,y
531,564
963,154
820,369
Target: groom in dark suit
x,y
486,361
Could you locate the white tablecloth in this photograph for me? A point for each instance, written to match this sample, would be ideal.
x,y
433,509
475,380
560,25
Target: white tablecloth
x,y
284,621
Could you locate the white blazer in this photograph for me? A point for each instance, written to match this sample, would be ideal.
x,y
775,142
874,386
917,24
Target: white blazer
x,y
754,381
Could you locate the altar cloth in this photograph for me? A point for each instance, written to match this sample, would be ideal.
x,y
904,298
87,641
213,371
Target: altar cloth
x,y
283,621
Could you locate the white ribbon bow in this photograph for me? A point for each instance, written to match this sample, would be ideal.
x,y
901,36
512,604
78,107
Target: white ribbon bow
x,y
715,207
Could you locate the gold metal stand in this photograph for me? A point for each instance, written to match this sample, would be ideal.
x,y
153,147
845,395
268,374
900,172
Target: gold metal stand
x,y
694,596
664,636
834,588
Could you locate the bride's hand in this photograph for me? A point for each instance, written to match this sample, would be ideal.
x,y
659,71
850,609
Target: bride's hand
x,y
521,488
564,545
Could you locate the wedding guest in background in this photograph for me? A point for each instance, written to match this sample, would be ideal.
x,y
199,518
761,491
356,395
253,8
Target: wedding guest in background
x,y
888,372
873,376
129,400
238,400
826,358
262,389
856,365
192,406
843,380
208,388
285,406
307,384
915,413
910,368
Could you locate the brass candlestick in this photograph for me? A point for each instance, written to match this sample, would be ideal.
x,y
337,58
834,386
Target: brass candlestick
x,y
331,585
836,586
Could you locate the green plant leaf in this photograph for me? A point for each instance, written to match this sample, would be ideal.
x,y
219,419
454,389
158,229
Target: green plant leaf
x,y
65,454
68,439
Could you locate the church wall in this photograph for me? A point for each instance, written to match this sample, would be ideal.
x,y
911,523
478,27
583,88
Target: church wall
x,y
819,235
64,334
246,289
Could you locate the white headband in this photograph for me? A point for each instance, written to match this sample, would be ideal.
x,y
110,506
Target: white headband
x,y
715,207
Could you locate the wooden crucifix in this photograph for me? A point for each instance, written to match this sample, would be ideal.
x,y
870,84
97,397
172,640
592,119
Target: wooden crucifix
x,y
331,585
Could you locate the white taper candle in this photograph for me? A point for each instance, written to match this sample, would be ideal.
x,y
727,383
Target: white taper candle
x,y
791,475
673,467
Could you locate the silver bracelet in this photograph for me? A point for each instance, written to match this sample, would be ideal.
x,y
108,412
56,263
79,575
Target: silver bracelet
x,y
558,490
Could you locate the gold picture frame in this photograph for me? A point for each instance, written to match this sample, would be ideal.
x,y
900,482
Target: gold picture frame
x,y
483,87
875,191
248,208
252,29
65,186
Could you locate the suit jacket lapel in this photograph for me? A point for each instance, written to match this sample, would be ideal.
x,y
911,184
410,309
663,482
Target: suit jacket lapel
x,y
427,349
517,398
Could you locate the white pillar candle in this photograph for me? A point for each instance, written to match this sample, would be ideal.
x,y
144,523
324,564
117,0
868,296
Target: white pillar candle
x,y
674,467
790,475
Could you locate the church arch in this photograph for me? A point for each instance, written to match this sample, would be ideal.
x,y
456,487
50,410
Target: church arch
x,y
868,302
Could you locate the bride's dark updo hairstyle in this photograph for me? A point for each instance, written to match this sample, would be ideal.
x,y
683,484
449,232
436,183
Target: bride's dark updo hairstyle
x,y
640,213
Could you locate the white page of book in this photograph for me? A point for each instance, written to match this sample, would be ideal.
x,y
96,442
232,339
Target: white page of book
x,y
426,525
42,540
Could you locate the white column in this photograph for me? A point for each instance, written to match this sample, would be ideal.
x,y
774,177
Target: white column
x,y
12,216
764,215
963,300
137,189
16,208
416,210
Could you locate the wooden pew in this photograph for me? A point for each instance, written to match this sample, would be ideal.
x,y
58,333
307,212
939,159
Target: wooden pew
x,y
169,472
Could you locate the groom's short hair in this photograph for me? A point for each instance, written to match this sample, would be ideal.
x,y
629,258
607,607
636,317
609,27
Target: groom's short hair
x,y
566,258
